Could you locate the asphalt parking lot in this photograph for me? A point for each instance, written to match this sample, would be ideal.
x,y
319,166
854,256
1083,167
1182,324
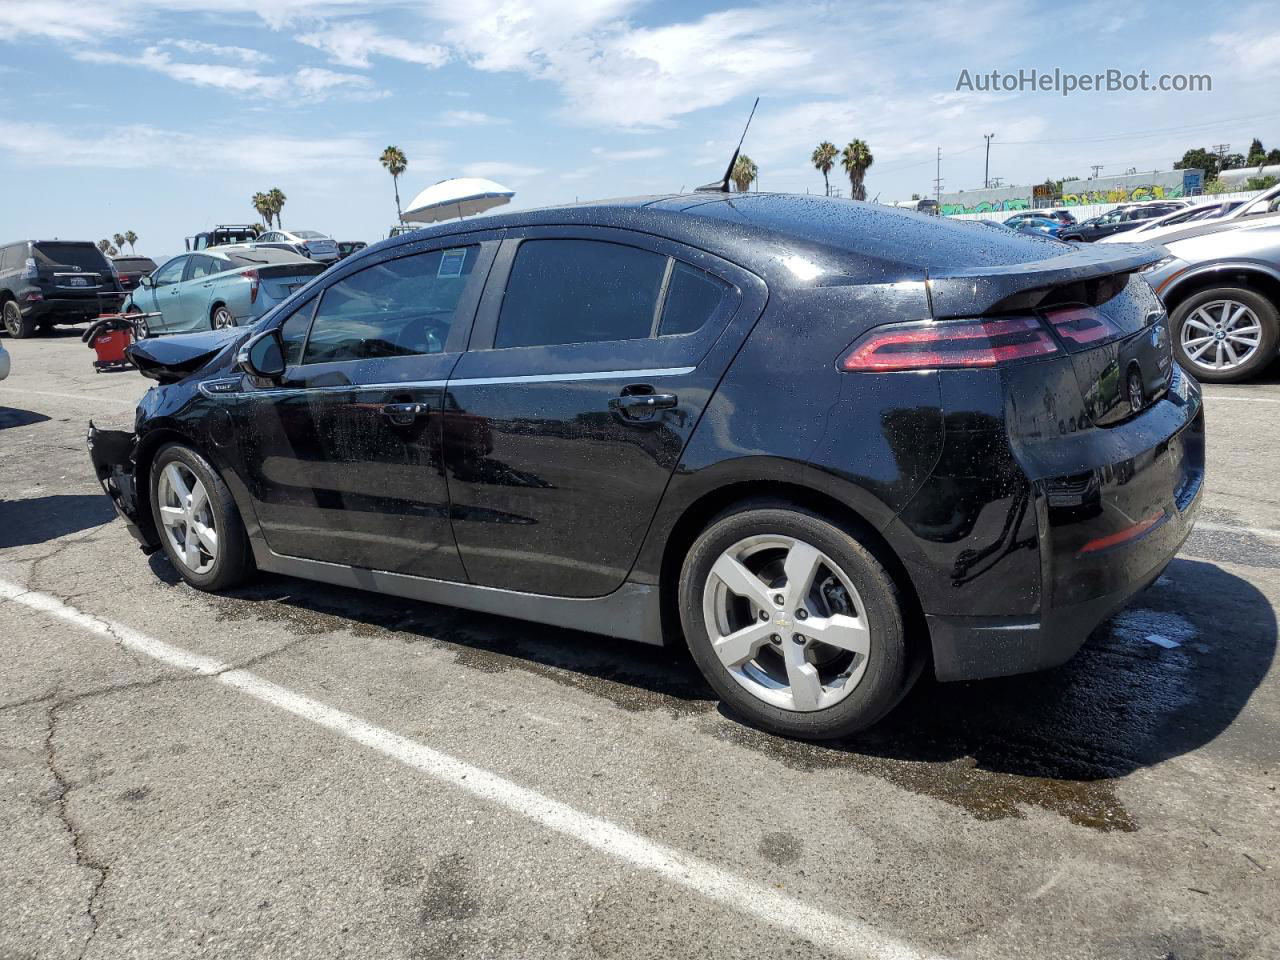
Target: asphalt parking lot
x,y
295,770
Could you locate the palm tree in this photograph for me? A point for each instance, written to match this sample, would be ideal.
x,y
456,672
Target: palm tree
x,y
824,158
262,204
277,198
744,173
118,240
396,162
856,159
130,238
105,246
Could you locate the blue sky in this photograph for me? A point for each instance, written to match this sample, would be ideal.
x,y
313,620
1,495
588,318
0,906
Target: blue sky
x,y
165,116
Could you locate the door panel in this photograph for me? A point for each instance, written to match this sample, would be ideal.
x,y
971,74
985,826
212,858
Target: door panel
x,y
558,455
344,455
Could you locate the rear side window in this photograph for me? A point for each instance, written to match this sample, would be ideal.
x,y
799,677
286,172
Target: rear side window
x,y
579,291
693,295
207,266
82,255
395,308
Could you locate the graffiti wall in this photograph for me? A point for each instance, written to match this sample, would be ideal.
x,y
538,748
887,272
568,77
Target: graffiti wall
x,y
985,201
1133,187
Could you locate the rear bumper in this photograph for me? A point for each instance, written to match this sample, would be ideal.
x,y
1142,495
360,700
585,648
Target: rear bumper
x,y
1102,535
72,309
111,452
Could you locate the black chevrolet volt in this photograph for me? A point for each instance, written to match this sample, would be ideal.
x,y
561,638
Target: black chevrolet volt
x,y
825,444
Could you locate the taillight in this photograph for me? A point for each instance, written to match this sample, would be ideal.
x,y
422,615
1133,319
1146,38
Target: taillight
x,y
948,343
29,271
1081,327
254,280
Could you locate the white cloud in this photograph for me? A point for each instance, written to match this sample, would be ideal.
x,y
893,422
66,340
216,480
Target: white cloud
x,y
63,20
1251,53
140,146
243,54
350,43
468,118
307,83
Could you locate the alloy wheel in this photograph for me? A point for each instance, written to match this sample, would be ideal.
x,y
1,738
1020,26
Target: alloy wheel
x,y
1136,398
187,516
786,622
13,319
1221,335
222,319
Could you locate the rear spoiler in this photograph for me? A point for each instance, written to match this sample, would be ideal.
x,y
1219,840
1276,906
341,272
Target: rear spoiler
x,y
1013,286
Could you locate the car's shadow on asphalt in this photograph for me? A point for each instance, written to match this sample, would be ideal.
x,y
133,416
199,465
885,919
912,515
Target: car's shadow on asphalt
x,y
1057,739
13,417
41,519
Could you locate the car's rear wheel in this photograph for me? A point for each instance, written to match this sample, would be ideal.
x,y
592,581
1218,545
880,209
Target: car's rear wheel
x,y
200,528
222,318
1226,334
794,622
140,325
18,326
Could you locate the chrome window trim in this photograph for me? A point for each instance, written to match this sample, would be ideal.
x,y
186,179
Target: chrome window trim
x,y
480,381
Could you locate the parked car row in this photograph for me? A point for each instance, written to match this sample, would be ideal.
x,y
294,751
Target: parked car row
x,y
48,282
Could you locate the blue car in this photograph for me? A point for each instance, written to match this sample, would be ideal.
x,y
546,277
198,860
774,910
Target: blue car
x,y
217,287
1042,226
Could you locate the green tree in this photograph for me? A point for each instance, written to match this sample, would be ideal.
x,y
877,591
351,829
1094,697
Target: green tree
x,y
856,159
131,238
119,240
1257,155
105,246
262,204
744,173
277,198
1261,183
824,158
1274,156
1233,161
395,163
1201,159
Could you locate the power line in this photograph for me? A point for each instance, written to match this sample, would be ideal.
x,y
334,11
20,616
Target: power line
x,y
1154,132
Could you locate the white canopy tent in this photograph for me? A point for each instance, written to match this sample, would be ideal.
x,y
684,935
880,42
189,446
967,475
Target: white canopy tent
x,y
458,197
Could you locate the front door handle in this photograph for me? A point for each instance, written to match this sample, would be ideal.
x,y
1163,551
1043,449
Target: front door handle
x,y
403,414
640,404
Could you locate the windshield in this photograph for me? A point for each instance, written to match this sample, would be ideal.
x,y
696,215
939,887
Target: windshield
x,y
262,255
309,235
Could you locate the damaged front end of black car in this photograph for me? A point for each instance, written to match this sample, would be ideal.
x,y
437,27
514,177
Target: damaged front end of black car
x,y
115,453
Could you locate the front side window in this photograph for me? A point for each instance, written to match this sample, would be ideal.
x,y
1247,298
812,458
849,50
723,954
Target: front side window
x,y
293,332
401,307
579,291
171,272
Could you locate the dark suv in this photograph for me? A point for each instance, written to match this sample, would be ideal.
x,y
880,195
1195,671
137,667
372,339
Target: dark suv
x,y
43,282
823,443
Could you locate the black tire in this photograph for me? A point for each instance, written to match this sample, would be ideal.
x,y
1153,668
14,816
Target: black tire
x,y
890,668
18,326
234,560
1269,337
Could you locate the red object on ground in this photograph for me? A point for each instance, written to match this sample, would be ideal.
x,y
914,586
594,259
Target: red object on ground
x,y
110,346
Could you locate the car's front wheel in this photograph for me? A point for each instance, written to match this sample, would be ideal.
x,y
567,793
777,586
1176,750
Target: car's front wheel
x,y
199,525
1225,334
794,622
18,326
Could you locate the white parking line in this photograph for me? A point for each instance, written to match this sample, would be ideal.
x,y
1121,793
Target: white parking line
x,y
90,398
846,937
1228,396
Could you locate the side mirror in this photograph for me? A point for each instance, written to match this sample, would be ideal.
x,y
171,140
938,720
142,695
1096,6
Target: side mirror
x,y
146,281
263,356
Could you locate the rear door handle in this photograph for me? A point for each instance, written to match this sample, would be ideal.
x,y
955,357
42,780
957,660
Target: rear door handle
x,y
403,414
638,403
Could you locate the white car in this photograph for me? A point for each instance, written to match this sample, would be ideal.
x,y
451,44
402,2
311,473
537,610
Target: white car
x,y
309,243
4,362
1164,229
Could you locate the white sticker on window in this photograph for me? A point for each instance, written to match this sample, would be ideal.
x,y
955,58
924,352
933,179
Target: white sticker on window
x,y
451,262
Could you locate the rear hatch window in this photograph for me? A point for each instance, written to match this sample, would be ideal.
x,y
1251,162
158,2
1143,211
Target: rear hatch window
x,y
54,256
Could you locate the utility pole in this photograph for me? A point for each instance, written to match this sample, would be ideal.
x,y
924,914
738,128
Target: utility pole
x,y
996,181
937,181
1095,168
986,170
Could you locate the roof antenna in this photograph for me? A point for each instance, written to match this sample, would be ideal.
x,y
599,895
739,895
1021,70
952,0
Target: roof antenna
x,y
722,186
